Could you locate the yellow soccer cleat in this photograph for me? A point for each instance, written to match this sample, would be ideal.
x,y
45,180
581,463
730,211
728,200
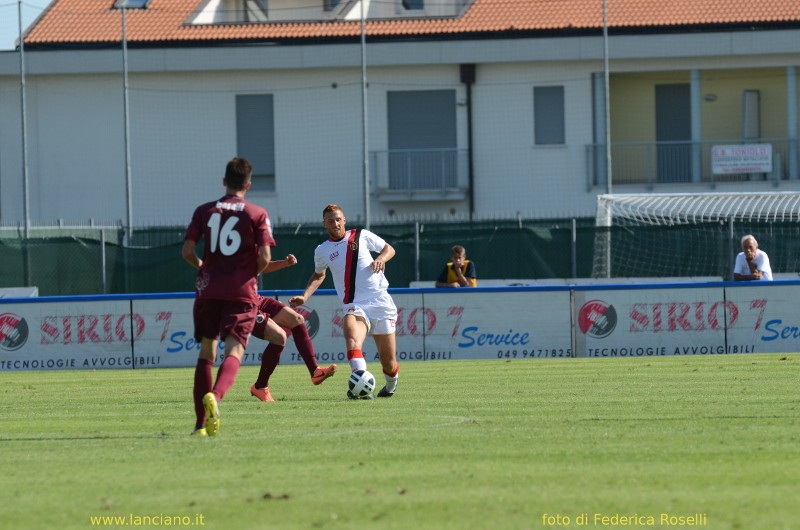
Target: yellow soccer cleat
x,y
200,432
212,414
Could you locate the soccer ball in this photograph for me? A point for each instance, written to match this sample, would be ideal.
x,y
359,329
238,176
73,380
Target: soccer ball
x,y
361,383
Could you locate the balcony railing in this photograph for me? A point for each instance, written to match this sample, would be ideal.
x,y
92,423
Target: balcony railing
x,y
420,174
654,163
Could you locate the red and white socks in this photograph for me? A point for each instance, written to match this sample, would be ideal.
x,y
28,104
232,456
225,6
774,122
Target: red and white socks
x,y
356,360
391,379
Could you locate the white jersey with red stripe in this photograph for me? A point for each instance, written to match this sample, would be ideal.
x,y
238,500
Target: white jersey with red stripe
x,y
349,260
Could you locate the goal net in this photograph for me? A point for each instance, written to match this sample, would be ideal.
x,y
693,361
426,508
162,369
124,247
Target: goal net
x,y
692,234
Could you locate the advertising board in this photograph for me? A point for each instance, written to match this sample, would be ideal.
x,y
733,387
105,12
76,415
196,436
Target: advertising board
x,y
89,334
767,320
652,322
508,324
624,320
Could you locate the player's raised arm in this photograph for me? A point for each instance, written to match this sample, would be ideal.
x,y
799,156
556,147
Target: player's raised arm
x,y
313,284
276,265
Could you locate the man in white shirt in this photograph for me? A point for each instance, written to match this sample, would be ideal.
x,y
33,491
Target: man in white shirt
x,y
752,263
363,289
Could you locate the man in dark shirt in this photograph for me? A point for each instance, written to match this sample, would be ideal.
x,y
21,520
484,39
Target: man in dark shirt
x,y
238,237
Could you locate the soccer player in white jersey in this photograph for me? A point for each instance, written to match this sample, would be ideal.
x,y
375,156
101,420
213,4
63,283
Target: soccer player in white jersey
x,y
363,289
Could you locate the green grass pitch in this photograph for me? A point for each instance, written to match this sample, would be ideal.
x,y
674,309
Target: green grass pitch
x,y
700,442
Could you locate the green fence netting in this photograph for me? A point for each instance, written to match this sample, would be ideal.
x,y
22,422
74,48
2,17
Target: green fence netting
x,y
93,261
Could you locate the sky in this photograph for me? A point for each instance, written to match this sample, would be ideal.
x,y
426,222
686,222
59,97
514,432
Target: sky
x,y
9,19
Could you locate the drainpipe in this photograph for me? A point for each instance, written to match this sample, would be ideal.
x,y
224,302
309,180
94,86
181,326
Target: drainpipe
x,y
468,78
791,112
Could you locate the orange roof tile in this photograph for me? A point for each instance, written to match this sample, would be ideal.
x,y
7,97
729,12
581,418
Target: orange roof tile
x,y
95,21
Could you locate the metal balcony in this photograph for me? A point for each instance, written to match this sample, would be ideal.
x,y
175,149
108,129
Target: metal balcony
x,y
420,174
654,163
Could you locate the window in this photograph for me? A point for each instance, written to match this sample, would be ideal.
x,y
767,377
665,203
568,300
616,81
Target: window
x,y
330,5
413,4
548,115
423,150
256,11
131,4
255,138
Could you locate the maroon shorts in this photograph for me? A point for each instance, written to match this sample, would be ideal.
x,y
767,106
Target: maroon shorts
x,y
267,308
220,318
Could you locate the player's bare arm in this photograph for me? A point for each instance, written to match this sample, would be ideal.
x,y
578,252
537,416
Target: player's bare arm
x,y
276,265
387,253
189,254
313,284
264,257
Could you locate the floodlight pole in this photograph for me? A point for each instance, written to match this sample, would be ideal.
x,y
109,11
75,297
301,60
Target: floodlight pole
x,y
364,141
607,96
128,183
24,119
607,91
25,183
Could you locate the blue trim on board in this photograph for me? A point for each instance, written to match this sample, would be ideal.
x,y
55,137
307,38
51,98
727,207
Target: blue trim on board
x,y
418,290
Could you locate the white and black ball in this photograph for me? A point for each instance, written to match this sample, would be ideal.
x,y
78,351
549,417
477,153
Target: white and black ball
x,y
361,383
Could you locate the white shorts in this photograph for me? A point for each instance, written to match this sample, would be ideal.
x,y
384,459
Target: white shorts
x,y
380,314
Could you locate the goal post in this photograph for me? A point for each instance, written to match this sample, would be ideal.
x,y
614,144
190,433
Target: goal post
x,y
692,234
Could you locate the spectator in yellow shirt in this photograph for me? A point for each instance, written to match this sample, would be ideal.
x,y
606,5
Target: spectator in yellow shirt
x,y
460,272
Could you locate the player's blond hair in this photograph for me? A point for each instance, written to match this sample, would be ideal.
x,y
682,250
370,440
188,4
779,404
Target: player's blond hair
x,y
332,208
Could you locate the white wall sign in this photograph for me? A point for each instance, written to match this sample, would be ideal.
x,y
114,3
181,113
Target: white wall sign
x,y
745,158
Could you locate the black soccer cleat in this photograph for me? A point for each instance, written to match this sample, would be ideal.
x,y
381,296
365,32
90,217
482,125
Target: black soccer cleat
x,y
384,393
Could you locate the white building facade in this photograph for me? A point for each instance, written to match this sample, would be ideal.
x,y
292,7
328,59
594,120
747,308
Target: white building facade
x,y
450,129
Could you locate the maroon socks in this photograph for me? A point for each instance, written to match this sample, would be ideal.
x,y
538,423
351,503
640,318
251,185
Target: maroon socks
x,y
304,347
226,375
269,360
203,381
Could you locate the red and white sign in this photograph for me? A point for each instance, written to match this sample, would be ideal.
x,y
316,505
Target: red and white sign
x,y
653,322
524,323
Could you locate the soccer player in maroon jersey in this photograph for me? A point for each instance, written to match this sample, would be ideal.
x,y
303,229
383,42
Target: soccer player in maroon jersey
x,y
273,321
363,289
238,237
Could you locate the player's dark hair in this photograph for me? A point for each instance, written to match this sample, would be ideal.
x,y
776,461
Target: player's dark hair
x,y
237,173
457,250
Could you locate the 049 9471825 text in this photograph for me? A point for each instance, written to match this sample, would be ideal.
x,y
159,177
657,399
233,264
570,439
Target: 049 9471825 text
x,y
534,353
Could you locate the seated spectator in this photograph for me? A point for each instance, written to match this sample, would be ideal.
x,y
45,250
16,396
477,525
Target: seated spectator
x,y
460,272
752,263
